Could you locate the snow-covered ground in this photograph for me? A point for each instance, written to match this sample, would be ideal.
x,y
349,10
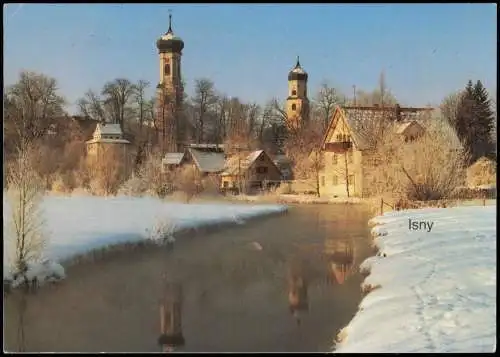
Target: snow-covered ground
x,y
437,289
76,225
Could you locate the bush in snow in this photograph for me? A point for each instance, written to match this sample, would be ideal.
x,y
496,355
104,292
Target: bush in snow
x,y
134,186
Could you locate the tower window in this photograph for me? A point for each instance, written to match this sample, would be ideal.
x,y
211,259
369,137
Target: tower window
x,y
294,92
167,69
294,107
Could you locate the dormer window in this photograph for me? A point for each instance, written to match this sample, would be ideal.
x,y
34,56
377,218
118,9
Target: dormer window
x,y
167,69
294,92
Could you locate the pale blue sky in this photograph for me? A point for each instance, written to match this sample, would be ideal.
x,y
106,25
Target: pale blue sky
x,y
427,51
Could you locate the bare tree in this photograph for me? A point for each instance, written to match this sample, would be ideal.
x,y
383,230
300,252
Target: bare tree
x,y
451,105
203,101
326,101
117,95
30,106
140,129
92,106
25,193
381,96
404,169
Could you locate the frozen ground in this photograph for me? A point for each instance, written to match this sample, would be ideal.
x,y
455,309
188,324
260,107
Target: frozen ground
x,y
437,289
78,224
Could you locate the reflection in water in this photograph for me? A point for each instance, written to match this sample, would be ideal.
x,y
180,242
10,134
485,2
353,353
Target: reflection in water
x,y
171,317
341,258
297,289
21,306
232,298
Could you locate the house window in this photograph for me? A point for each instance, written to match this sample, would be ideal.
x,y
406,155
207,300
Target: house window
x,y
322,179
339,137
167,69
334,159
226,184
294,92
262,170
294,107
335,180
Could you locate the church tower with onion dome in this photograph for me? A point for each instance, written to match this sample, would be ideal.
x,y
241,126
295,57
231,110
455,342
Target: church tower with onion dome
x,y
297,103
170,90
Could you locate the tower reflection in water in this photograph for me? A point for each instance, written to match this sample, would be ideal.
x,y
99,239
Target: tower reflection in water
x,y
297,290
341,257
171,337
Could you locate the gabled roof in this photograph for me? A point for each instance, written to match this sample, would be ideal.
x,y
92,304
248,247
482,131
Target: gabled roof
x,y
361,119
209,162
173,158
402,127
354,118
240,162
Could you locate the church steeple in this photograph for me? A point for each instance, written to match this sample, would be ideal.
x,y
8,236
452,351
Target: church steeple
x,y
169,23
297,102
170,89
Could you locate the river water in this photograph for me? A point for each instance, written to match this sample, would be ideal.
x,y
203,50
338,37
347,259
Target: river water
x,y
284,283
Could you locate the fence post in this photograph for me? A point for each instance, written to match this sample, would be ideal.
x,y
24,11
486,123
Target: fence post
x,y
381,206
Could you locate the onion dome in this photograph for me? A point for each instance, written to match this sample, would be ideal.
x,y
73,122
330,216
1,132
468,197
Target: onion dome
x,y
297,73
169,42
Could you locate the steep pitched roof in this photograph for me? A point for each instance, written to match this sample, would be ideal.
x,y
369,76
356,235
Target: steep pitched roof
x,y
244,161
361,120
240,162
355,120
209,162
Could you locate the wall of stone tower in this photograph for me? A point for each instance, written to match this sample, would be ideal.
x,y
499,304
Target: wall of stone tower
x,y
299,86
301,112
297,104
169,110
171,75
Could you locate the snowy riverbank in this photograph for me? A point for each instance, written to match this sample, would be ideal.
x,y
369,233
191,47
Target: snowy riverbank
x,y
76,225
434,289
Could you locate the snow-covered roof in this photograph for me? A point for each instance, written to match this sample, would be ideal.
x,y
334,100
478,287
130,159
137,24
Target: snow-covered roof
x,y
173,158
298,70
206,146
108,141
240,162
109,129
210,162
